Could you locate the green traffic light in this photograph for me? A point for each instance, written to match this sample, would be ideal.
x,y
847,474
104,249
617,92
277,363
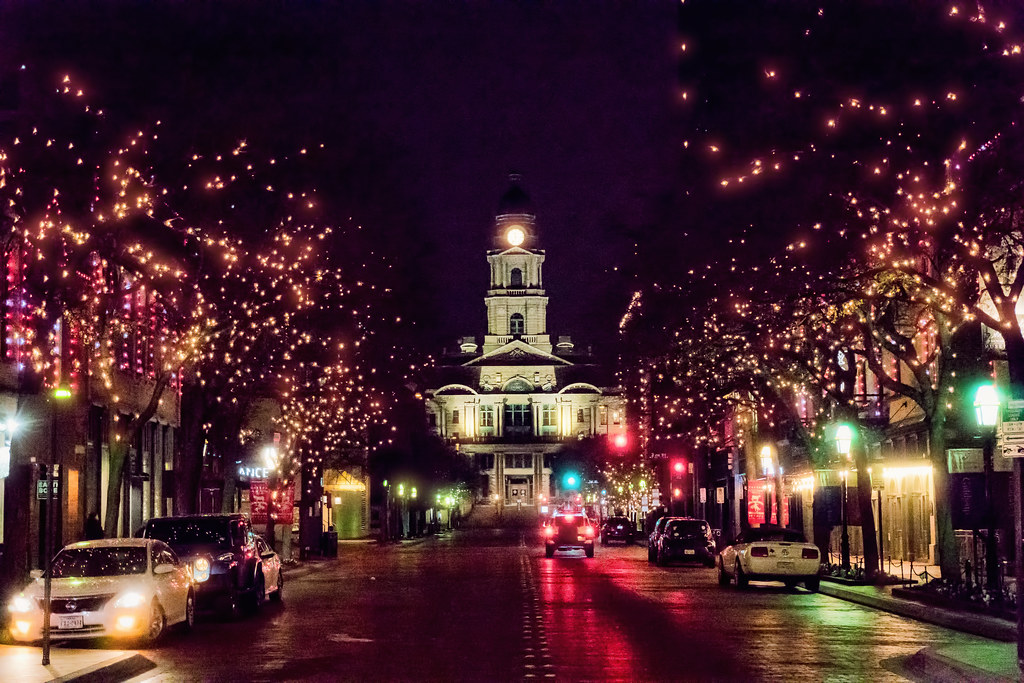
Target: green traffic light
x,y
571,480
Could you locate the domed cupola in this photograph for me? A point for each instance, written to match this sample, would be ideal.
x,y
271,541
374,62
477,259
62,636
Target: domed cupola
x,y
515,221
515,201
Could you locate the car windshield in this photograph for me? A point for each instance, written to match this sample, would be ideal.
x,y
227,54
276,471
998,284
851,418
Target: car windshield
x,y
190,532
106,561
686,528
785,535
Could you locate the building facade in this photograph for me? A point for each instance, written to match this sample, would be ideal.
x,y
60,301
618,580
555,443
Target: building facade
x,y
512,403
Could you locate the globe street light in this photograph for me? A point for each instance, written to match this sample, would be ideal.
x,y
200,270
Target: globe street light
x,y
986,409
844,440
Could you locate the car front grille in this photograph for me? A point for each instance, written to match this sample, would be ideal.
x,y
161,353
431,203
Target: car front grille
x,y
88,603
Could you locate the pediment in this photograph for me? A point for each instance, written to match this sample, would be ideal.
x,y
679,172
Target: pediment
x,y
517,352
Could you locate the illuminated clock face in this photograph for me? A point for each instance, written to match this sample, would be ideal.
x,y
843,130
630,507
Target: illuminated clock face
x,y
515,235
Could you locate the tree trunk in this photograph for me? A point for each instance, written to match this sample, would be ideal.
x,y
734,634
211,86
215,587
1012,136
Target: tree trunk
x,y
867,513
189,470
1015,364
945,538
117,453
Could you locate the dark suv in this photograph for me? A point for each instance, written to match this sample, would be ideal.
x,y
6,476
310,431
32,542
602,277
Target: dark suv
x,y
569,531
222,551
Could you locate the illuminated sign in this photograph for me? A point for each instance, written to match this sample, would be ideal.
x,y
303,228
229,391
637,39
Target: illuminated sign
x,y
254,472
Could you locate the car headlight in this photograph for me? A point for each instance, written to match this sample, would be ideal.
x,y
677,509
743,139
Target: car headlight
x,y
201,569
130,600
19,605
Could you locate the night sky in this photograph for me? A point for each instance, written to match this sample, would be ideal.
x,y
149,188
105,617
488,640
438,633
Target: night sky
x,y
424,108
625,120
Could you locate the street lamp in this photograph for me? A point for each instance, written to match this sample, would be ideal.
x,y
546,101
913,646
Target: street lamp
x,y
986,409
844,440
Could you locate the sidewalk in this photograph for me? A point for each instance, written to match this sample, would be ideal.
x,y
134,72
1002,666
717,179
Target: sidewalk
x,y
991,661
24,664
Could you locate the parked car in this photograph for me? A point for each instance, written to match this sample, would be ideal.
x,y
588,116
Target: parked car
x,y
617,529
770,553
652,539
688,540
273,573
569,531
222,550
128,588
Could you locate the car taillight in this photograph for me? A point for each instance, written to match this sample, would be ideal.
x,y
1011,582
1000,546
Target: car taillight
x,y
759,551
810,553
588,531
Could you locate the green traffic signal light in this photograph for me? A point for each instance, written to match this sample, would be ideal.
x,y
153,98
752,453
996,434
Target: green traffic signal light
x,y
571,480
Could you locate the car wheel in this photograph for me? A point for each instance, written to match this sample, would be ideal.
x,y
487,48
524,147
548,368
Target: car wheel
x,y
812,583
232,605
604,540
259,593
190,612
549,551
790,583
157,622
278,595
723,578
659,558
589,550
650,555
741,579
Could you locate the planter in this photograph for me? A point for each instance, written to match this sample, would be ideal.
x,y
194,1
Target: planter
x,y
918,595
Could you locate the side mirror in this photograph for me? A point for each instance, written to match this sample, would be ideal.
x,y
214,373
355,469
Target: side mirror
x,y
36,574
163,569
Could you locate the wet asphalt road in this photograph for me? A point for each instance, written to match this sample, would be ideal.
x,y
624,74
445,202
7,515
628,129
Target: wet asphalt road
x,y
488,606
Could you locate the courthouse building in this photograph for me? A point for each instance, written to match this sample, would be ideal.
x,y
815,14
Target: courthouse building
x,y
512,403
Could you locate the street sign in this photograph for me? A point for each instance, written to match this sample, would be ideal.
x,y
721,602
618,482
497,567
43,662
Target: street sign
x,y
1011,439
41,489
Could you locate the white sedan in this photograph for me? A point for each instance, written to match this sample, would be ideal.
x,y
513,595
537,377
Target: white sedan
x,y
124,588
770,553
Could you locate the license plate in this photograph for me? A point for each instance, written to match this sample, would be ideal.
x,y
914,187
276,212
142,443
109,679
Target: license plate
x,y
70,622
785,565
689,551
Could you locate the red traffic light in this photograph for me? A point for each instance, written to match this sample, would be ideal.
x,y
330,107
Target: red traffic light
x,y
620,441
677,493
678,466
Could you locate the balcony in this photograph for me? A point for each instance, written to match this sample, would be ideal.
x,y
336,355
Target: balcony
x,y
512,438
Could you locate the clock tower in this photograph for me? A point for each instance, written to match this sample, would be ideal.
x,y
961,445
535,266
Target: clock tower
x,y
516,302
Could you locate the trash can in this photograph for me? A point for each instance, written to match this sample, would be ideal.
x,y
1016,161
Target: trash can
x,y
329,544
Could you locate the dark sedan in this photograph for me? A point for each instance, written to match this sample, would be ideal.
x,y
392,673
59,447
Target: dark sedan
x,y
688,540
617,529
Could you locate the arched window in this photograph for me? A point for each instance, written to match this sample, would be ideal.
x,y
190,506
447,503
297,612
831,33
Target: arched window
x,y
516,324
516,278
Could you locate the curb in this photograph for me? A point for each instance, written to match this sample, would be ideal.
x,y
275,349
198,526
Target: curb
x,y
935,666
966,622
116,670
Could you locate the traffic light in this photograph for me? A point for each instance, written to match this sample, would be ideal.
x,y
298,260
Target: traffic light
x,y
676,473
678,468
620,441
571,481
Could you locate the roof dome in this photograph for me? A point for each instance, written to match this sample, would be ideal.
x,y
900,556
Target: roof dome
x,y
515,200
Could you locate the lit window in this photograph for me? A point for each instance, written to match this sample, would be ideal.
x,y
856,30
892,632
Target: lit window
x,y
516,324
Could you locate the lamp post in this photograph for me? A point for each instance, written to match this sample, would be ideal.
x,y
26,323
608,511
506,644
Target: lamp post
x,y
61,393
844,440
986,408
